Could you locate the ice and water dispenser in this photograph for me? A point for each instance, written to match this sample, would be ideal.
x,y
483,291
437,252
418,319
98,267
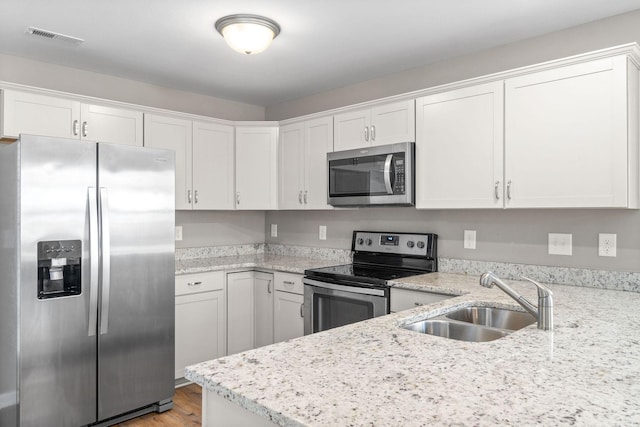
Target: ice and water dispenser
x,y
59,273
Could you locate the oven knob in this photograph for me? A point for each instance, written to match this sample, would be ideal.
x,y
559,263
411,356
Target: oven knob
x,y
410,243
420,244
360,241
369,242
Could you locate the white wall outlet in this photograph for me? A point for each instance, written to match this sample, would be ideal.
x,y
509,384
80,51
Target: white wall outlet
x,y
322,232
469,239
178,232
560,244
274,230
606,244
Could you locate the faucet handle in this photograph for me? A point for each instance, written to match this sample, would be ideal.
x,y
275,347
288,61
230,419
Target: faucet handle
x,y
543,291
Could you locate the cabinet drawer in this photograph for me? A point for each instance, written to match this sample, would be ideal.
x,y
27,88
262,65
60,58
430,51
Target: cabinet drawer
x,y
199,282
404,299
289,282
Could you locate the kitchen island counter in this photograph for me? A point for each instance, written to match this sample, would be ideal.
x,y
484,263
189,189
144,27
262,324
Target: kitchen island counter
x,y
376,373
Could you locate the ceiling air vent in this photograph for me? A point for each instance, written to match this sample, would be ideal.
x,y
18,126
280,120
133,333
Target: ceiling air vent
x,y
46,34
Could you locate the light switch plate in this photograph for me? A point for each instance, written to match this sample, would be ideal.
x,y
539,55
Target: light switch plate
x,y
178,232
469,239
560,244
322,232
274,230
607,244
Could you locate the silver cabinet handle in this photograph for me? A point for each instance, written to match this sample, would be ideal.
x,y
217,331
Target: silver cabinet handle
x,y
94,250
269,286
189,196
84,129
302,310
194,283
76,127
305,196
418,304
288,282
300,197
366,133
509,190
195,196
238,198
373,133
495,190
103,204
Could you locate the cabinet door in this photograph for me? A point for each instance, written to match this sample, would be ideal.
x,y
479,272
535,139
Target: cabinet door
x,y
291,167
351,130
288,320
213,166
30,113
173,134
263,297
392,123
256,168
111,125
459,148
566,136
240,312
318,142
200,329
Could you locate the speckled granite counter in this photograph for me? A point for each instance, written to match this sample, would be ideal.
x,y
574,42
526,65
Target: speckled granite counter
x,y
374,373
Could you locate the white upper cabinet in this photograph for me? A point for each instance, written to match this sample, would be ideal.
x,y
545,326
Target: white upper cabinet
x,y
572,136
303,164
256,167
204,160
379,125
30,113
459,148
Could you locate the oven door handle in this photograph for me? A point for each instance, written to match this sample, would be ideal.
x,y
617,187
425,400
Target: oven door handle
x,y
352,289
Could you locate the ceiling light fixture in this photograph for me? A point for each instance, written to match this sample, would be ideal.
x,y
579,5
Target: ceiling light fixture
x,y
247,34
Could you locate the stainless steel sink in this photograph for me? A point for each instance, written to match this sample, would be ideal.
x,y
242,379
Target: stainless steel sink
x,y
493,317
456,330
474,324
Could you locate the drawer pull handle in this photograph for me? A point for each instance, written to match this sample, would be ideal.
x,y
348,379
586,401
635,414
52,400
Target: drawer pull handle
x,y
194,283
418,304
302,310
289,282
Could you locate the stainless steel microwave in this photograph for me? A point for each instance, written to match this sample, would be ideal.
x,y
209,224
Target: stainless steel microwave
x,y
379,175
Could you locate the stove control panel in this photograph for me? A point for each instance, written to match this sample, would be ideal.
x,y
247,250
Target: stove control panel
x,y
414,244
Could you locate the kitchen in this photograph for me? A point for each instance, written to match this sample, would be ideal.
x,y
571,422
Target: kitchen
x,y
505,236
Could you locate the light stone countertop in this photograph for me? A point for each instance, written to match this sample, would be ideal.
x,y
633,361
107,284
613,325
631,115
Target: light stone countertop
x,y
586,372
291,264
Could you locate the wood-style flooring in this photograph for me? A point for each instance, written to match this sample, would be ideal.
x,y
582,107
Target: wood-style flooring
x,y
186,411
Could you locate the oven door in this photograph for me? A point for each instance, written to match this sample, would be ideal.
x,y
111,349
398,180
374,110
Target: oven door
x,y
329,305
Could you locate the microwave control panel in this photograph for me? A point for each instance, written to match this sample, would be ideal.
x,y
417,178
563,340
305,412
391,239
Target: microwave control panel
x,y
398,184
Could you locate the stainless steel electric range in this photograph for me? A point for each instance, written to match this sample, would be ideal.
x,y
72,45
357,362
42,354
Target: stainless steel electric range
x,y
343,294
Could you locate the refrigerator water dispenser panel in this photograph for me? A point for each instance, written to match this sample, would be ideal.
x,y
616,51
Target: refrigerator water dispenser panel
x,y
59,273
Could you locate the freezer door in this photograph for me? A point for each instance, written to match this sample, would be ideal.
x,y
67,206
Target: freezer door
x,y
136,324
57,350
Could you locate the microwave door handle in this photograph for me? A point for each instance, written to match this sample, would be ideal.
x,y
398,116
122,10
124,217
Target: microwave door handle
x,y
387,174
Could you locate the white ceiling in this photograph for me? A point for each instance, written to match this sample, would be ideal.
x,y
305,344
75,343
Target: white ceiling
x,y
324,44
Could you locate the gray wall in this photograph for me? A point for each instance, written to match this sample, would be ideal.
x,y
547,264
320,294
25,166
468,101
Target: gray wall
x,y
55,77
220,228
620,29
502,235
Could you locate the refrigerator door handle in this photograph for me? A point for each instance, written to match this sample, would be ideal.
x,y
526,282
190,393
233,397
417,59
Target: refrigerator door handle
x,y
93,256
106,260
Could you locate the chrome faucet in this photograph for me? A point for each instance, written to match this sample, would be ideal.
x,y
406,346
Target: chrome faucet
x,y
544,311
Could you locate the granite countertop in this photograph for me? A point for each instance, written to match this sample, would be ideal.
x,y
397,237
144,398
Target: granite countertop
x,y
291,264
585,372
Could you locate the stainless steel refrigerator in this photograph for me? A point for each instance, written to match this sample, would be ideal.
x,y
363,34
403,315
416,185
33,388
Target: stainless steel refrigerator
x,y
86,282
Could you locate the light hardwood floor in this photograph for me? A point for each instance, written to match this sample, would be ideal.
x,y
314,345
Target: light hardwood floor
x,y
186,412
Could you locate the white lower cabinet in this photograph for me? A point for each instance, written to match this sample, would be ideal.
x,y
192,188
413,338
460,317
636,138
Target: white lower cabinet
x,y
249,310
288,317
200,333
404,299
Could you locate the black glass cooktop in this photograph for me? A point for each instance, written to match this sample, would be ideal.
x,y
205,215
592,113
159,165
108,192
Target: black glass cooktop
x,y
362,273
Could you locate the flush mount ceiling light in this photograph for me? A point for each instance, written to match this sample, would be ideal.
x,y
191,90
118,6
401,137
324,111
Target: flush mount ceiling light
x,y
248,34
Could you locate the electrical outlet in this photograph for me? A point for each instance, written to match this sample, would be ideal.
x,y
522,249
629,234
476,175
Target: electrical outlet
x,y
606,244
322,232
469,239
178,232
274,230
560,244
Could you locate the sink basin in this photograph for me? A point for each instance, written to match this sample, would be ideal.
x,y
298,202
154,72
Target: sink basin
x,y
456,330
493,317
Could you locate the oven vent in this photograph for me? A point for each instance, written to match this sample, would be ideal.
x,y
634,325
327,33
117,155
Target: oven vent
x,y
50,35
